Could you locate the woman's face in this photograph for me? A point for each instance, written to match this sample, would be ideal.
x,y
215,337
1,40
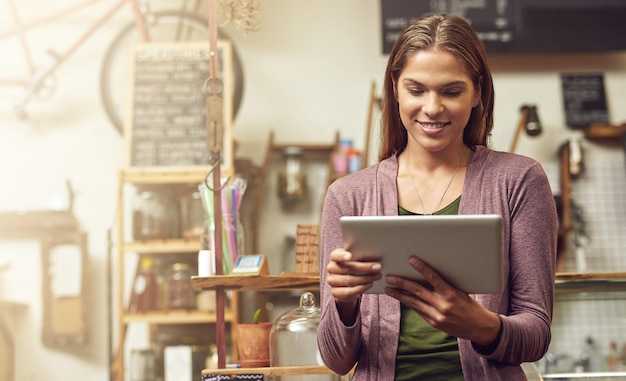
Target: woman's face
x,y
436,96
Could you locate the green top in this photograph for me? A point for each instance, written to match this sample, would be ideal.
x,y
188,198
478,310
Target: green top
x,y
426,353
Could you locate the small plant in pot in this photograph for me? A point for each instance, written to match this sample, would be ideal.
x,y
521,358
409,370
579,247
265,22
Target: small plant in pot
x,y
253,342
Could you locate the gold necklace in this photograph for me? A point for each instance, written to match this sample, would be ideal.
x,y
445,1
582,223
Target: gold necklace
x,y
406,163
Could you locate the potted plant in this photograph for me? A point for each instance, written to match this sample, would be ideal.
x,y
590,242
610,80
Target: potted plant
x,y
253,342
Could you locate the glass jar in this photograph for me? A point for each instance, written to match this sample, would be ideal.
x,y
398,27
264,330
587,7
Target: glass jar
x,y
292,181
145,288
297,328
155,214
181,295
191,213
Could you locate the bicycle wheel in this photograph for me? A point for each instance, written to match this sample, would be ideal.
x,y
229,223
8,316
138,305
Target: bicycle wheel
x,y
164,26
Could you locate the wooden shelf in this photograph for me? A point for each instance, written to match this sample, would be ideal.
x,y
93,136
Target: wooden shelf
x,y
321,148
257,282
615,280
35,223
162,175
590,282
163,246
576,276
177,317
605,133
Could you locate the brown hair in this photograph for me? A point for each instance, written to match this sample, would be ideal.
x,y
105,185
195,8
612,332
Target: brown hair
x,y
454,35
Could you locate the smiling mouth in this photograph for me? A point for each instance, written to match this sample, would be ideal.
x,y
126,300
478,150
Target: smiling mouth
x,y
432,126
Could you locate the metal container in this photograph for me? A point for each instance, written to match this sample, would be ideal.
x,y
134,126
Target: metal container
x,y
293,340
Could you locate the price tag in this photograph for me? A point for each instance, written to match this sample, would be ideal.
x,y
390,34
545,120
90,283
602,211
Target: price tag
x,y
251,265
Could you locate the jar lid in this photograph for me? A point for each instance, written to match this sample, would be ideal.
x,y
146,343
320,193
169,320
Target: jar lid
x,y
306,317
180,266
293,151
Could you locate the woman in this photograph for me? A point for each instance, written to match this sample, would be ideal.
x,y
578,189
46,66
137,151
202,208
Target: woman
x,y
434,159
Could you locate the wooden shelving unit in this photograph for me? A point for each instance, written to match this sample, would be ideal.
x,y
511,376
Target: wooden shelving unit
x,y
156,248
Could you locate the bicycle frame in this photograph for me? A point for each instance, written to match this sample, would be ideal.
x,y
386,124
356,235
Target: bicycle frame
x,y
21,29
36,79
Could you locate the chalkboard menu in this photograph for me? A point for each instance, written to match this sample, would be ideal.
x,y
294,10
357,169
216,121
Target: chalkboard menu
x,y
584,99
521,26
167,124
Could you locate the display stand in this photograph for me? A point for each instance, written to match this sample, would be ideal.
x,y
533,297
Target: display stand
x,y
283,282
304,280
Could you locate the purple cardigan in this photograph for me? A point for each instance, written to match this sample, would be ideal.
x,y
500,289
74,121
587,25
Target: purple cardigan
x,y
513,186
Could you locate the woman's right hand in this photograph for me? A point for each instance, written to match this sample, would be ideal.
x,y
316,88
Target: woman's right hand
x,y
348,279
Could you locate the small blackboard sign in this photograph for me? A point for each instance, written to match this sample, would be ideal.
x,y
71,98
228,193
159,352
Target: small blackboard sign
x,y
167,121
584,99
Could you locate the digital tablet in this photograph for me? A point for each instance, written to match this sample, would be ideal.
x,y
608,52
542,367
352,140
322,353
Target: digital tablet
x,y
465,249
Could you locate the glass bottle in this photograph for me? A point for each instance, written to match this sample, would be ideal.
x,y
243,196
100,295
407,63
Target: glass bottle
x,y
145,286
292,181
180,291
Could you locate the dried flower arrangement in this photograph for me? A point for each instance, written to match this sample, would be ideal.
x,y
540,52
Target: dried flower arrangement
x,y
242,13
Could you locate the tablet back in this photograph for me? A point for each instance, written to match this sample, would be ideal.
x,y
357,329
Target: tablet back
x,y
465,249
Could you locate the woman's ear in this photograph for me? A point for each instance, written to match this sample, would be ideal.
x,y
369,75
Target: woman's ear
x,y
476,99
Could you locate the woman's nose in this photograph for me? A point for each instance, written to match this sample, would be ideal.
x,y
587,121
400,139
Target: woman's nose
x,y
433,105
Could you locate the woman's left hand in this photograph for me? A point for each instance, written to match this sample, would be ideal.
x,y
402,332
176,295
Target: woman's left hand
x,y
443,306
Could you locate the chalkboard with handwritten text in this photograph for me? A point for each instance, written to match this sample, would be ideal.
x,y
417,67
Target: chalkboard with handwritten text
x,y
167,121
521,26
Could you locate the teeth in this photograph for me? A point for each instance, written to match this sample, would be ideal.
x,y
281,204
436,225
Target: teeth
x,y
433,125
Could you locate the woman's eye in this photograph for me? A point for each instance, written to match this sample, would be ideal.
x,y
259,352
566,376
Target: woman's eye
x,y
415,91
452,93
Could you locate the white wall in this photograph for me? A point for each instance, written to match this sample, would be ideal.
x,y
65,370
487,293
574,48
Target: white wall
x,y
308,72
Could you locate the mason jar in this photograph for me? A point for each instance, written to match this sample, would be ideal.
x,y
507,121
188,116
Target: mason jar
x,y
181,295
